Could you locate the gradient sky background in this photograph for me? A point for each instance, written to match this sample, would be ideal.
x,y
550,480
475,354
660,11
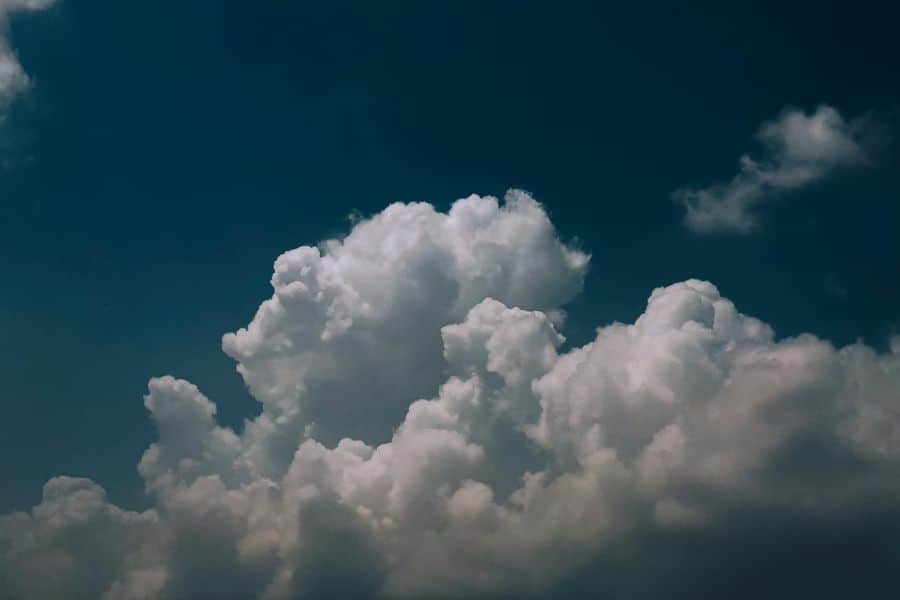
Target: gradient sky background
x,y
171,150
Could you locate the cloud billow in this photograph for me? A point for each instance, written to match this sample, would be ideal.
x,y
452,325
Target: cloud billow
x,y
514,468
799,150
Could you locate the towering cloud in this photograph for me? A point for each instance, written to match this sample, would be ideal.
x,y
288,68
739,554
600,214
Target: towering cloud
x,y
513,468
799,150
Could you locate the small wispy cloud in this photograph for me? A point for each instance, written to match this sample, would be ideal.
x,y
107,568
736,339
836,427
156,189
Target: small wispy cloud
x,y
799,150
14,81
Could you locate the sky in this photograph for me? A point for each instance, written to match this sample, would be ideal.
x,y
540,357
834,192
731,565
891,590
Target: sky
x,y
156,158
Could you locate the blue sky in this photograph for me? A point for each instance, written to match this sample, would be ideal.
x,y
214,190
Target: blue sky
x,y
168,152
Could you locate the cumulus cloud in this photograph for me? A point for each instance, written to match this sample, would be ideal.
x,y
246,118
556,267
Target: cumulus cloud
x,y
687,440
14,81
799,149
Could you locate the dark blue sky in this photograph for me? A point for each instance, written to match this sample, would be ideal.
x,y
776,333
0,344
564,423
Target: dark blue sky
x,y
171,150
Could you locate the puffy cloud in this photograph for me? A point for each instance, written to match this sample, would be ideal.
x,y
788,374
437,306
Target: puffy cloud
x,y
74,544
352,334
13,78
799,150
690,438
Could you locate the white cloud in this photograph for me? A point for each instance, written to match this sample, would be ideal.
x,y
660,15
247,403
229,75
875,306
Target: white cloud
x,y
520,466
799,150
352,335
14,81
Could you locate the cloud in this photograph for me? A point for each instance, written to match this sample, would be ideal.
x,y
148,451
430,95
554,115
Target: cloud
x,y
798,150
361,317
14,81
669,456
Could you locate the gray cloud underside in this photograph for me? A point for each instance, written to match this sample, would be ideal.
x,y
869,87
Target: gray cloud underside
x,y
798,151
687,453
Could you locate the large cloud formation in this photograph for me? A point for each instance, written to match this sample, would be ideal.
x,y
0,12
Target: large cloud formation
x,y
799,150
673,456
